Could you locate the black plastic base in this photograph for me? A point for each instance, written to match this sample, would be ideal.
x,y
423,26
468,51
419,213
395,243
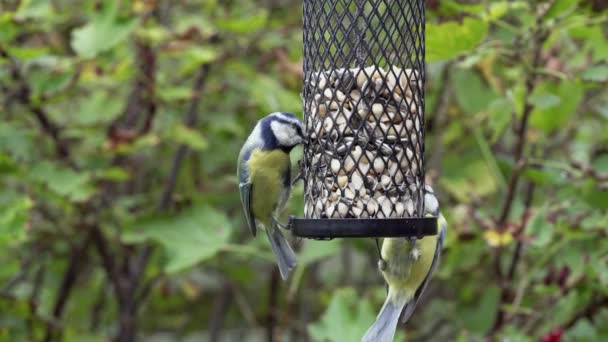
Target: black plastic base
x,y
327,229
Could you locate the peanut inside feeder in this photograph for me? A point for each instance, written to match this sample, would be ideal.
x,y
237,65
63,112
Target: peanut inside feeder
x,y
366,130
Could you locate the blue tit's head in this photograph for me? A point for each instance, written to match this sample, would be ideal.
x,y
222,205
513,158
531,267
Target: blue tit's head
x,y
281,130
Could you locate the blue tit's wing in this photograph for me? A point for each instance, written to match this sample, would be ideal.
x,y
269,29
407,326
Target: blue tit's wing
x,y
245,190
411,305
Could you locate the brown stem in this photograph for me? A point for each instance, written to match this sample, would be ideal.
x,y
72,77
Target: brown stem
x,y
77,258
518,154
220,309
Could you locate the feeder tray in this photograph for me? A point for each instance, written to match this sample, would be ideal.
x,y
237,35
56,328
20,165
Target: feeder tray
x,y
363,95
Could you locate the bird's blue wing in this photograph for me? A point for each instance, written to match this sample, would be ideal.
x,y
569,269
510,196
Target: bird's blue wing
x,y
245,190
410,306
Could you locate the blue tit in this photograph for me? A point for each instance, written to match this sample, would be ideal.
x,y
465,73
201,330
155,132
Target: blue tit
x,y
264,172
407,265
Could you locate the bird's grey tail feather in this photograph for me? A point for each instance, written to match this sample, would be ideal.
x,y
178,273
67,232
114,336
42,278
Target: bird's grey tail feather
x,y
286,258
408,311
383,329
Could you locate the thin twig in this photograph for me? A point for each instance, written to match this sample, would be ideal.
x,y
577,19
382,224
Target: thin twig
x,y
77,256
220,309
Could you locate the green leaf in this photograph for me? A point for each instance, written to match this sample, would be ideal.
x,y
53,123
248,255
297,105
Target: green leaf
x,y
560,8
450,39
346,319
103,32
480,317
272,96
598,73
13,218
498,9
549,116
75,186
31,9
472,93
539,229
194,235
245,23
317,250
544,100
189,137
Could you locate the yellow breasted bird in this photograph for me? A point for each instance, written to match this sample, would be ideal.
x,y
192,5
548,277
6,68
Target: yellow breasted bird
x,y
407,264
264,172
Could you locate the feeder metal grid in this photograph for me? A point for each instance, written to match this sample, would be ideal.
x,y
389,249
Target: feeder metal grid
x,y
363,99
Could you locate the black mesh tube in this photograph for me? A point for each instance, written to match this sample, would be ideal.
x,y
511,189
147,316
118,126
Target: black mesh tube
x,y
363,99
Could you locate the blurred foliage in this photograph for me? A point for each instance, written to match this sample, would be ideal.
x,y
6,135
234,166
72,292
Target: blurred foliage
x,y
96,124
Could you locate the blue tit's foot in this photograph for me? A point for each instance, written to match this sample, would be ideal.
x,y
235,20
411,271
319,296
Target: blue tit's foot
x,y
279,223
382,265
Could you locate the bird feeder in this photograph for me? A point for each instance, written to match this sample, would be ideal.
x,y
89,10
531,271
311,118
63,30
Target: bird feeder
x,y
363,97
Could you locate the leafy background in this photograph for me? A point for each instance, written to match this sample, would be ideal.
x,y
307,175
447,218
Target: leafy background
x,y
121,122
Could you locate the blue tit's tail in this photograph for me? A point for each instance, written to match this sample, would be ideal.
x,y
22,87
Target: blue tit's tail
x,y
286,258
383,329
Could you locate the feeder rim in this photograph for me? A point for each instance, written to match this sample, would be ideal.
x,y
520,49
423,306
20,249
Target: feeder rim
x,y
328,229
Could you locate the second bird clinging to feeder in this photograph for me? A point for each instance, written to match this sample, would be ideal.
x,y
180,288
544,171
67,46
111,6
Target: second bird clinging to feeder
x,y
407,265
264,172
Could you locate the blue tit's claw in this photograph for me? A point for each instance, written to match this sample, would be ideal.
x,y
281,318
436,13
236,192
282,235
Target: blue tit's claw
x,y
280,224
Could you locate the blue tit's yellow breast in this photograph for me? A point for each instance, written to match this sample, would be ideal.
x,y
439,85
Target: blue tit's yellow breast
x,y
404,272
266,172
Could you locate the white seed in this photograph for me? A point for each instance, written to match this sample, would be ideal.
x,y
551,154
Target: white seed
x,y
409,124
409,207
357,209
379,165
399,209
398,177
328,124
322,110
342,181
356,181
340,96
385,206
328,93
349,164
385,181
335,166
377,109
334,106
342,209
322,82
349,193
409,153
371,206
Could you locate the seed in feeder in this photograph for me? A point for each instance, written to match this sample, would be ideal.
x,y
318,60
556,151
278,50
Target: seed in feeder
x,y
399,209
328,124
322,109
349,193
371,206
333,105
409,207
356,180
386,206
340,96
409,124
379,165
385,181
335,166
322,82
357,209
342,180
349,164
328,93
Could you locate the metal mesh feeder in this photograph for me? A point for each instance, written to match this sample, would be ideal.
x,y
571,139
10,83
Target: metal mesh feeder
x,y
364,113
